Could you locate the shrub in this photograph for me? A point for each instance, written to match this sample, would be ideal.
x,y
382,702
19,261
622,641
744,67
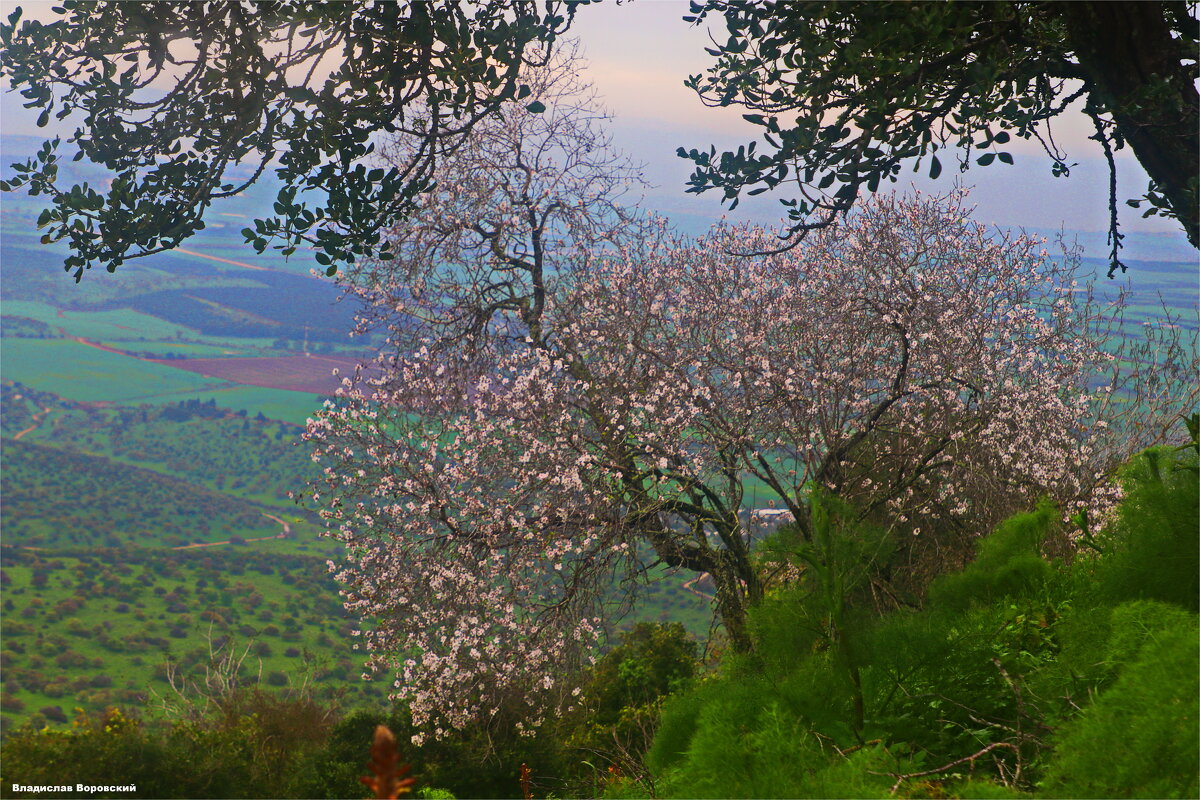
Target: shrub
x,y
1005,655
53,713
484,761
250,747
1141,737
622,699
1007,564
829,674
1151,549
1140,622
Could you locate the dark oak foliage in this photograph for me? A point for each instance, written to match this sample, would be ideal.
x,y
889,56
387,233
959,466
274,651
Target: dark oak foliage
x,y
185,103
847,92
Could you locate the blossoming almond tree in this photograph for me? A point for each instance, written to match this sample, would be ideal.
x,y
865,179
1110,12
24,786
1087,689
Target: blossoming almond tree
x,y
530,199
573,392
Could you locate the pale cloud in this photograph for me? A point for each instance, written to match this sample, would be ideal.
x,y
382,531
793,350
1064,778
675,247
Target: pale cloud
x,y
658,97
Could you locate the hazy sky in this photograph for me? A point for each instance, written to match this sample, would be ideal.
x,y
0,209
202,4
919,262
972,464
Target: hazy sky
x,y
639,54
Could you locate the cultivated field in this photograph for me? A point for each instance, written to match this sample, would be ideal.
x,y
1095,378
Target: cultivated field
x,y
83,372
313,374
280,404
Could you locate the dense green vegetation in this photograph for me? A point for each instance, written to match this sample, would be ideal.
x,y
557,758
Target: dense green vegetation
x,y
90,628
207,445
1020,675
113,505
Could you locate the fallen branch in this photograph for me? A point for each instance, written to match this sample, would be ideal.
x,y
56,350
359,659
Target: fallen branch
x,y
901,778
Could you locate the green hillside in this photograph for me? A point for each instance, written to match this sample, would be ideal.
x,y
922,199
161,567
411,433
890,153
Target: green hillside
x,y
57,498
90,628
201,443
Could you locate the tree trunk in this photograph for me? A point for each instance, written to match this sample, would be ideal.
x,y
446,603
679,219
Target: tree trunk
x,y
732,605
1133,65
737,585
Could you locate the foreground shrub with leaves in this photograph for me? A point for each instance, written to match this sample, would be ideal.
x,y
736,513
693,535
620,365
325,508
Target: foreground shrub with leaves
x,y
259,744
218,740
1021,676
249,749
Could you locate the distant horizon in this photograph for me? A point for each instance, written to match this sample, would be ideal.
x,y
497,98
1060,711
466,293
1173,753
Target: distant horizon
x,y
693,215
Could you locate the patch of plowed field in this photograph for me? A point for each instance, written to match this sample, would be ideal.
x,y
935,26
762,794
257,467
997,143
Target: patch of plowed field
x,y
313,374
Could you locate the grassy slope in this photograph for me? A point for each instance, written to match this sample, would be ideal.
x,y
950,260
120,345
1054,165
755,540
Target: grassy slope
x,y
255,459
56,498
95,629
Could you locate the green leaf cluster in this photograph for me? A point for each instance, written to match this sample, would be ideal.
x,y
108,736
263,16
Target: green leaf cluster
x,y
847,94
248,749
301,90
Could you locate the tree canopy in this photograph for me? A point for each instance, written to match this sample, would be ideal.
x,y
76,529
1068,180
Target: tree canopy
x,y
573,396
174,95
846,93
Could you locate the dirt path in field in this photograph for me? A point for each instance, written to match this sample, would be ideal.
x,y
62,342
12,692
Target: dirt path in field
x,y
224,260
89,343
287,528
283,534
97,345
37,420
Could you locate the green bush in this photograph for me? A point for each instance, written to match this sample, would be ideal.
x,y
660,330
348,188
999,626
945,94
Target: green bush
x,y
1008,563
744,743
621,702
248,748
482,761
1140,738
1005,653
98,751
1137,623
1152,550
